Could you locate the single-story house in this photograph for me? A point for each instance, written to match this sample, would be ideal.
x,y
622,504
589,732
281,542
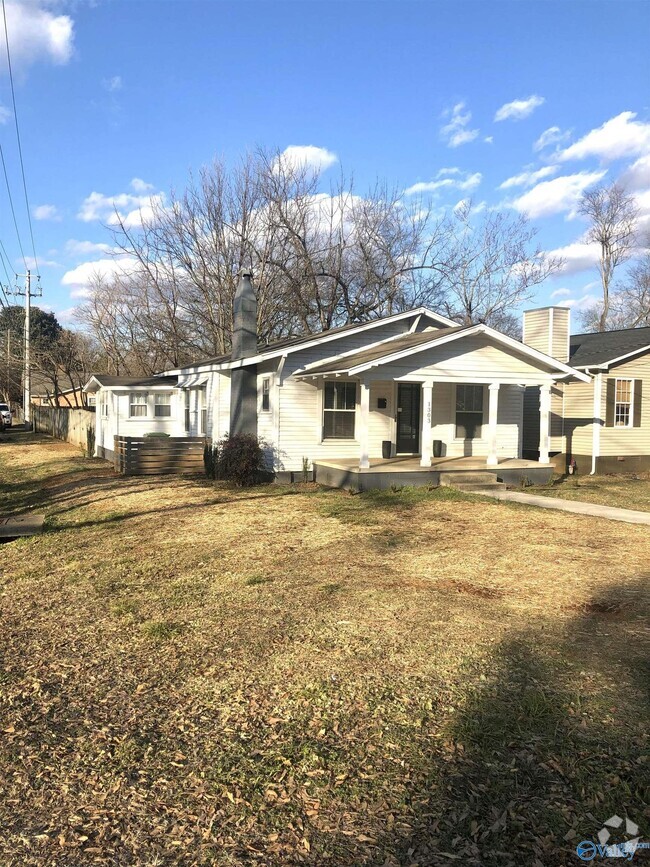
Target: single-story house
x,y
600,425
409,392
69,397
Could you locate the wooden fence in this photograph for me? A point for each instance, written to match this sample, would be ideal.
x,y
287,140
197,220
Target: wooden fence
x,y
76,426
149,456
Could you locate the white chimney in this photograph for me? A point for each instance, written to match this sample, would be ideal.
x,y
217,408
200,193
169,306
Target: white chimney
x,y
547,330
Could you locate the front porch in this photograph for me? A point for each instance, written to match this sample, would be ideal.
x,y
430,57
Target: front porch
x,y
384,473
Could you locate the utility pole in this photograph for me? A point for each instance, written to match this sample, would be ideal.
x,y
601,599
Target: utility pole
x,y
27,370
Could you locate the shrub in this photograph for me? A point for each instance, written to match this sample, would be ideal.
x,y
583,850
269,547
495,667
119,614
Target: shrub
x,y
240,459
210,460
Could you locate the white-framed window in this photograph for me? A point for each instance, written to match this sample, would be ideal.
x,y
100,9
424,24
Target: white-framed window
x,y
203,411
187,409
469,411
104,406
162,405
623,403
339,410
92,400
266,394
138,404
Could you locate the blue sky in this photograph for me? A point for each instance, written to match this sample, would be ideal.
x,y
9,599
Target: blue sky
x,y
455,99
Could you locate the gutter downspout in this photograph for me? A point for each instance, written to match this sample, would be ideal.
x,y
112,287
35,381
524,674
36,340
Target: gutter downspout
x,y
597,408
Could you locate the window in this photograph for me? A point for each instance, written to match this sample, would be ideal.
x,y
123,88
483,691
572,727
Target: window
x,y
92,400
138,404
187,409
266,395
104,406
204,412
339,408
162,405
469,412
623,403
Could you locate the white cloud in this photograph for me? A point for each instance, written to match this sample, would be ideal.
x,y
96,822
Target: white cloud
x,y
447,179
556,196
86,248
132,210
637,176
621,136
5,114
34,264
456,131
518,109
113,84
585,302
560,293
37,33
578,256
527,179
46,212
551,136
80,279
488,139
141,186
298,157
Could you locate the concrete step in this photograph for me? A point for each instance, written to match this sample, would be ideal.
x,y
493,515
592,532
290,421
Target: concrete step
x,y
487,487
477,477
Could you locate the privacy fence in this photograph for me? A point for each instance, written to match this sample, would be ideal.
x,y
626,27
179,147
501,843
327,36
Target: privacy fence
x,y
148,456
76,426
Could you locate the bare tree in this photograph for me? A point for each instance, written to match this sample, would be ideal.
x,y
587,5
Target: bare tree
x,y
612,214
629,303
492,266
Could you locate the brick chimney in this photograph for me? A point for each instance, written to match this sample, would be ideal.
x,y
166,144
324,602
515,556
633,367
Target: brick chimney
x,y
243,380
547,330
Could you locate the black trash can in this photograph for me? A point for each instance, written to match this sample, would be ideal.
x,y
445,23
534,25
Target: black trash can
x,y
386,447
437,448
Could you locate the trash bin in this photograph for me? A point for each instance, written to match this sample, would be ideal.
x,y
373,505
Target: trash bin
x,y
437,448
386,447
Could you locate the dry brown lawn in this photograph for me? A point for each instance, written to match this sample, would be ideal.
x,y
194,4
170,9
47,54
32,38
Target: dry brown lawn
x,y
193,674
621,490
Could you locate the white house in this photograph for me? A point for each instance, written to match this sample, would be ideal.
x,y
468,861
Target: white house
x,y
414,385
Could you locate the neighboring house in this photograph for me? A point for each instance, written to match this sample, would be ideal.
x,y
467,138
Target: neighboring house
x,y
602,424
345,395
69,397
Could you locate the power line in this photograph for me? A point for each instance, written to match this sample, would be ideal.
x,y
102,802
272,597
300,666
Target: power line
x,y
20,149
11,205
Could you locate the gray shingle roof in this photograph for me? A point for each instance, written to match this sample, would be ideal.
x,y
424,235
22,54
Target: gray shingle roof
x,y
591,350
388,347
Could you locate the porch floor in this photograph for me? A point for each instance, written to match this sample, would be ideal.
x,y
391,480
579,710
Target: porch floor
x,y
384,473
411,464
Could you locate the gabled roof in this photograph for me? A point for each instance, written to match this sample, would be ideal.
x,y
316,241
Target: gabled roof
x,y
601,348
294,344
396,348
103,380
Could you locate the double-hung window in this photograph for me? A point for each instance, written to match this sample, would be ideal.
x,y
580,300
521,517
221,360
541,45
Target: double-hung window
x,y
104,406
623,403
203,411
138,404
266,395
162,405
339,410
469,411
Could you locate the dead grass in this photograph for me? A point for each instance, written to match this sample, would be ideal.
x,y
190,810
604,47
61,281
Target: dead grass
x,y
624,490
198,675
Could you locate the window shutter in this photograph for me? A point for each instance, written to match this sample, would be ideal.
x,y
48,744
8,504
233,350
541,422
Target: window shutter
x,y
610,403
638,392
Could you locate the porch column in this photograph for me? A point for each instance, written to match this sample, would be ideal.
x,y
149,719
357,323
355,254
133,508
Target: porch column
x,y
364,419
493,409
425,443
544,423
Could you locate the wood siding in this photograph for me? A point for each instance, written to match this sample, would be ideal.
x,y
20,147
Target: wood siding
x,y
617,441
547,330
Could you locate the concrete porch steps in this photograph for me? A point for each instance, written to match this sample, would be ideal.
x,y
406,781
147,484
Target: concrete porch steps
x,y
473,482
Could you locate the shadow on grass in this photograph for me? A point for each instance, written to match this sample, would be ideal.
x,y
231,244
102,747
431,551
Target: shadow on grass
x,y
549,742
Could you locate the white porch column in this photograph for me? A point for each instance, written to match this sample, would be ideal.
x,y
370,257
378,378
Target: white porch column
x,y
493,409
544,423
364,419
427,409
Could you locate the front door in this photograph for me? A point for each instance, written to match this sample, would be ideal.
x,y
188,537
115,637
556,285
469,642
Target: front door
x,y
408,418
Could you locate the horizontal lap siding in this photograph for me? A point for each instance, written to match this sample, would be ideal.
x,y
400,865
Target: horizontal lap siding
x,y
578,418
300,405
615,442
560,336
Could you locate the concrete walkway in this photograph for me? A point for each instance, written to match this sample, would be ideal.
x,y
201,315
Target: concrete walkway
x,y
579,508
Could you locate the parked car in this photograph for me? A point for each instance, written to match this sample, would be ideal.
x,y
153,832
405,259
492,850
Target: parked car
x,y
5,414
